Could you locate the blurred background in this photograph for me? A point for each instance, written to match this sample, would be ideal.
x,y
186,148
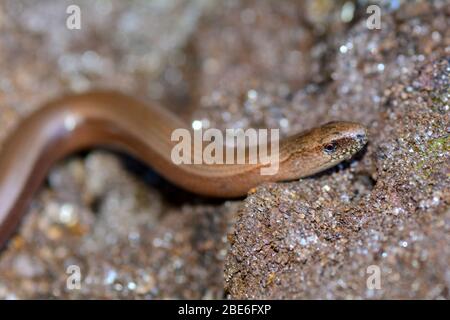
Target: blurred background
x,y
236,64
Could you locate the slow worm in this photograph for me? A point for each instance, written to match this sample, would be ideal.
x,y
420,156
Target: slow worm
x,y
116,120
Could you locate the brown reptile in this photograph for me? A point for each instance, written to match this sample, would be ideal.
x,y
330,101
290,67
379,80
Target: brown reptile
x,y
113,119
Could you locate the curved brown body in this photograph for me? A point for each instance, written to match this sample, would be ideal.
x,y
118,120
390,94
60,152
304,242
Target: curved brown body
x,y
113,119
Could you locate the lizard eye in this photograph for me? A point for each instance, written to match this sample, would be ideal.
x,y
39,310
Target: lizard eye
x,y
329,147
361,138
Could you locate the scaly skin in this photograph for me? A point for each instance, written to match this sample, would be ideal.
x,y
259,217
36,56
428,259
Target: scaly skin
x,y
112,119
